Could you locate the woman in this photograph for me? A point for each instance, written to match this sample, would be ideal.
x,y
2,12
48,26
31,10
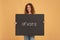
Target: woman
x,y
29,9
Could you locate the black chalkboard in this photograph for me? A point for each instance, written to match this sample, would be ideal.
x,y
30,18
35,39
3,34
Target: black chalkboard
x,y
29,24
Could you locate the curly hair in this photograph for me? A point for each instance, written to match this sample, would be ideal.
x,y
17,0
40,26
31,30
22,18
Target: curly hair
x,y
32,8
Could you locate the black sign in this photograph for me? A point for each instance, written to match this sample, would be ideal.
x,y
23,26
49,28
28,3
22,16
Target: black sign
x,y
29,24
